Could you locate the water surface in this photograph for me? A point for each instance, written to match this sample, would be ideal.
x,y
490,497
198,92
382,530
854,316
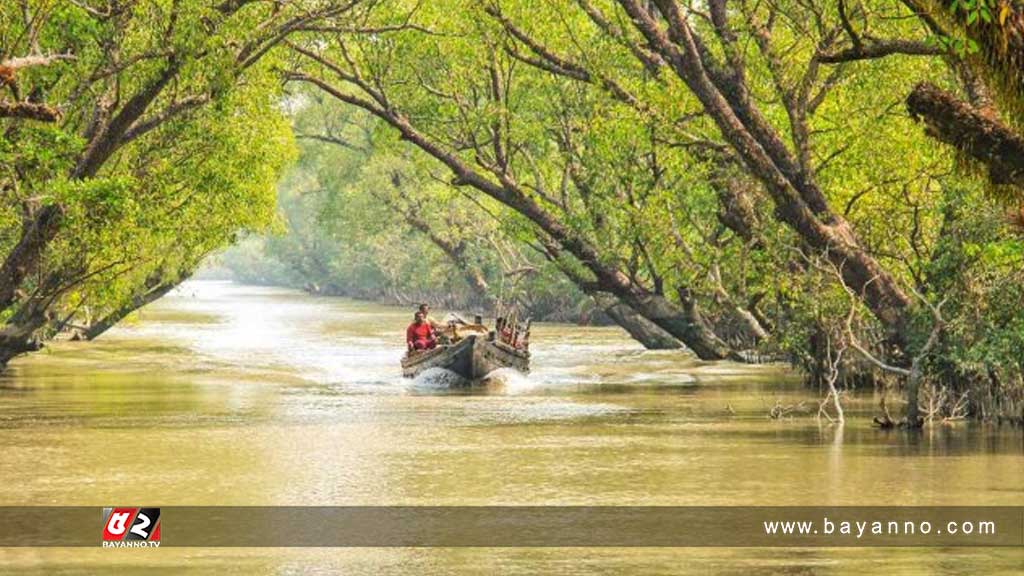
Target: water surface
x,y
222,394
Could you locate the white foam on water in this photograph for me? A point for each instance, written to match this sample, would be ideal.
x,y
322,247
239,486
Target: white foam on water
x,y
510,381
434,379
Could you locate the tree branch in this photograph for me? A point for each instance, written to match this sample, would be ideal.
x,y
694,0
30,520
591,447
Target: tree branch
x,y
986,139
29,110
876,48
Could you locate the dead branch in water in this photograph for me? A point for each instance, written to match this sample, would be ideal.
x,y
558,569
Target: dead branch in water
x,y
886,421
914,373
780,410
937,404
834,360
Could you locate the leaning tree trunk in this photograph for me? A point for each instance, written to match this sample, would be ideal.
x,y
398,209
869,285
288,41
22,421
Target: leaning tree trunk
x,y
981,136
24,258
641,329
647,333
683,322
667,315
138,301
19,338
455,251
20,333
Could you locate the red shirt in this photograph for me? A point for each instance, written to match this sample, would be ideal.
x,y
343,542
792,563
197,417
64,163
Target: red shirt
x,y
416,332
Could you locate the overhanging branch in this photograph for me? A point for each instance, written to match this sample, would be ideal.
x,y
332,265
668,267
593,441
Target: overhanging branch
x,y
984,138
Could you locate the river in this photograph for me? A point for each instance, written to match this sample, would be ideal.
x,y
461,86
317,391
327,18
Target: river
x,y
222,394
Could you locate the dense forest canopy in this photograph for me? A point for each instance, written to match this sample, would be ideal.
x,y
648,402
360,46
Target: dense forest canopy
x,y
139,137
835,183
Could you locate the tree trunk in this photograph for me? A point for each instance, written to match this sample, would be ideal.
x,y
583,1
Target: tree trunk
x,y
20,332
18,335
982,137
456,252
138,301
24,257
641,329
750,325
685,322
636,323
670,317
18,339
799,202
912,392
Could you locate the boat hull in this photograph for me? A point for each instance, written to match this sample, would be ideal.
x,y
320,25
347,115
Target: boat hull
x,y
472,358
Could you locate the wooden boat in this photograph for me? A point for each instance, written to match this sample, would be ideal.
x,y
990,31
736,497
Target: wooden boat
x,y
472,357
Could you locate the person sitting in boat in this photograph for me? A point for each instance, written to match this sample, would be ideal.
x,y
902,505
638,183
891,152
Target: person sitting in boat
x,y
503,330
425,310
420,335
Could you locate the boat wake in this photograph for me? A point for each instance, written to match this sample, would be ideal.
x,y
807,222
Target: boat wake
x,y
437,379
508,380
502,380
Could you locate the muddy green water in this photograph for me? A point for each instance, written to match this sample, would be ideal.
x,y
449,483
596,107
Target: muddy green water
x,y
222,394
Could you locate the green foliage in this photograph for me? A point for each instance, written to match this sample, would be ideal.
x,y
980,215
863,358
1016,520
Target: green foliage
x,y
977,269
622,157
606,144
201,167
990,36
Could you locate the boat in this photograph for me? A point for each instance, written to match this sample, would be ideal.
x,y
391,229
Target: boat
x,y
472,357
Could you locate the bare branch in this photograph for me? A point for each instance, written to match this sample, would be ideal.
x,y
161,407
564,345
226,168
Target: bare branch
x,y
34,60
876,48
30,111
174,109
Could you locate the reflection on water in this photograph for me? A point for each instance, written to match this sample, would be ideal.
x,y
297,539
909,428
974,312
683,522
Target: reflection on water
x,y
223,394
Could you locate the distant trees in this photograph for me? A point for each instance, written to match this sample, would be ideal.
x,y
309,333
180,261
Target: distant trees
x,y
366,218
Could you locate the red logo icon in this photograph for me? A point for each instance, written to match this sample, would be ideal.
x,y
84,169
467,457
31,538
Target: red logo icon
x,y
131,527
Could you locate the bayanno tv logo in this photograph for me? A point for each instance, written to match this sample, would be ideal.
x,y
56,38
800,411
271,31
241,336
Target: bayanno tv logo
x,y
131,527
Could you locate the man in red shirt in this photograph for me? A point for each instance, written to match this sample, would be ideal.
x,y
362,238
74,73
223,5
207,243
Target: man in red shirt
x,y
420,335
